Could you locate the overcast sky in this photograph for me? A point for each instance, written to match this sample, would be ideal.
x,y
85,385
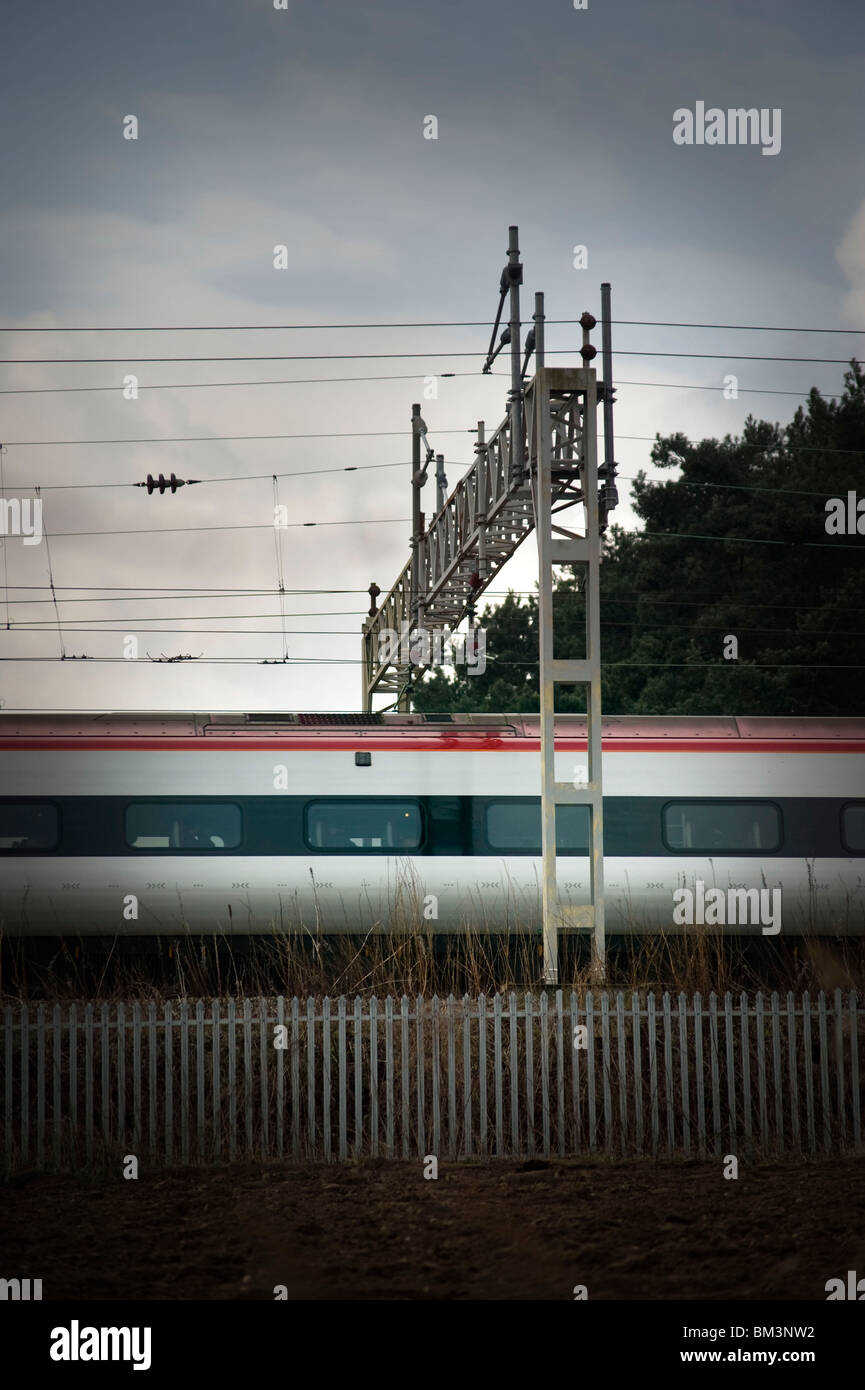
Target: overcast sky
x,y
305,127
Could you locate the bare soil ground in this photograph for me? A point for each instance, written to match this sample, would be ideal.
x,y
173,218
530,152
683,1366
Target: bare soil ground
x,y
379,1230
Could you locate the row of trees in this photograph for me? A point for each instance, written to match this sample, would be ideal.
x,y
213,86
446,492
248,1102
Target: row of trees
x,y
735,547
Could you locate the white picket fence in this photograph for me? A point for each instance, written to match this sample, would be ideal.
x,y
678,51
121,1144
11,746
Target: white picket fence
x,y
202,1081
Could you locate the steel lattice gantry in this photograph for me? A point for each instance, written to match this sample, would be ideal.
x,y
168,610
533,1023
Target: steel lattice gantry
x,y
478,529
481,525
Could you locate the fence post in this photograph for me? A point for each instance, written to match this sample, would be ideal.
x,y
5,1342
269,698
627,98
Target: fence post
x,y
105,1042
560,1071
405,1077
152,1056
358,1075
184,1081
824,1071
668,1071
200,1103
761,1069
499,1080
854,1067
436,1051
776,1072
839,1064
232,1079
421,1066
247,1071
808,1060
88,1083
699,1076
264,1052
623,1069
745,1036
373,1076
574,1051
605,1071
683,1073
73,1081
57,1072
405,1084
452,1080
731,1070
793,1071
590,1070
325,1075
467,1078
121,1073
310,1078
638,1073
388,1071
40,1086
136,1076
651,1026
482,1073
545,1073
295,1076
528,1015
216,1057
7,1087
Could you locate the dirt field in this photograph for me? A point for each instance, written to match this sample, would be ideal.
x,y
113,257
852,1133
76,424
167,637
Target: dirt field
x,y
378,1230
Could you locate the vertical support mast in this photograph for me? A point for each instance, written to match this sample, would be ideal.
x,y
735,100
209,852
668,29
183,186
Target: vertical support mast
x,y
609,497
542,432
416,514
514,272
565,547
417,481
594,789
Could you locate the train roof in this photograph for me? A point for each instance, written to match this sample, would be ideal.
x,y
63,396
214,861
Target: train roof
x,y
320,727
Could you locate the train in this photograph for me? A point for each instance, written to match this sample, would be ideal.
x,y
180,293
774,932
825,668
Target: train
x,y
170,824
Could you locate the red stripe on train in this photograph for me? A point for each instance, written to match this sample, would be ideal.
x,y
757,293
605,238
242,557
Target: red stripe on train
x,y
444,745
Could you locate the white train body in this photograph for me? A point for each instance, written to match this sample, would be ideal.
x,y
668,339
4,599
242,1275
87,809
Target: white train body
x,y
130,825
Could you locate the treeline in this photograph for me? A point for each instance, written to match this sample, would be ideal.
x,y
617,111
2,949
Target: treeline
x,y
736,548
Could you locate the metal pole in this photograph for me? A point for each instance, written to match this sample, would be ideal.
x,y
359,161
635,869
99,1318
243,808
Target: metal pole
x,y
441,482
593,700
515,279
365,672
481,499
415,506
538,321
368,662
559,546
404,699
543,523
608,498
607,359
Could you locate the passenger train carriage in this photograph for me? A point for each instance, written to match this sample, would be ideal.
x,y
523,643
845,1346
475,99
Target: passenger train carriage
x,y
141,824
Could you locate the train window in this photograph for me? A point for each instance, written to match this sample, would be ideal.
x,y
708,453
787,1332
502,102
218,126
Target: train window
x,y
28,825
727,827
853,827
516,826
204,826
388,826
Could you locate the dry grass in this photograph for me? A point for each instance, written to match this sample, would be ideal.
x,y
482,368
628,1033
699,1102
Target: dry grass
x,y
416,962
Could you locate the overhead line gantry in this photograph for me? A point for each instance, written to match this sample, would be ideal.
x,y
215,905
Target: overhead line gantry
x,y
539,462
